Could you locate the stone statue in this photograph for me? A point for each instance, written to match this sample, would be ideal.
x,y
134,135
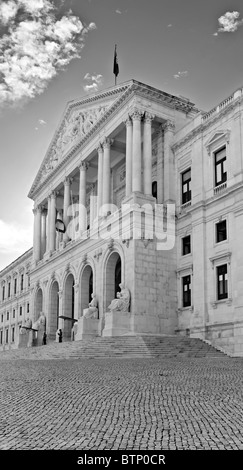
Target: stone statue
x,y
92,311
40,322
122,302
28,323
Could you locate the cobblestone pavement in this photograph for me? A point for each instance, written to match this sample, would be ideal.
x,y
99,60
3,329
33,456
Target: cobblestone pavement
x,y
137,404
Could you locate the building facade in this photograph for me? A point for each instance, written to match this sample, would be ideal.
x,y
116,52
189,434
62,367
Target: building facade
x,y
138,187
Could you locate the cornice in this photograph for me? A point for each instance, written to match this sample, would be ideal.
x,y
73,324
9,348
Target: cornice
x,y
205,125
125,90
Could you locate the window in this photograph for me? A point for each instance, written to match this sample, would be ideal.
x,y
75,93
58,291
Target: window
x,y
6,336
1,337
22,282
7,315
154,189
222,282
1,318
13,334
13,313
9,289
186,245
221,231
186,291
3,293
186,186
220,171
20,311
15,285
28,308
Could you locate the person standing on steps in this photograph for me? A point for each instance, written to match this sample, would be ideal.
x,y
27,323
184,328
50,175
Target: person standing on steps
x,y
44,338
60,336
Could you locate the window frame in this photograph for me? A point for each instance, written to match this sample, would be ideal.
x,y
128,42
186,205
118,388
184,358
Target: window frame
x,y
217,241
186,303
224,269
183,245
220,164
186,196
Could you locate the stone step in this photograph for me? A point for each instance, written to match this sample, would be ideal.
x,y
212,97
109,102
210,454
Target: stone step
x,y
118,347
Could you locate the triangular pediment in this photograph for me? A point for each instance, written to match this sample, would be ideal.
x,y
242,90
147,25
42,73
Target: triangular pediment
x,y
216,137
80,119
84,117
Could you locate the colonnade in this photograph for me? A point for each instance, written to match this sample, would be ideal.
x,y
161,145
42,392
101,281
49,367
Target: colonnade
x,y
138,179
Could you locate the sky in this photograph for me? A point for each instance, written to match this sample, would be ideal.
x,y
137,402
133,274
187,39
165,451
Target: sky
x,y
54,51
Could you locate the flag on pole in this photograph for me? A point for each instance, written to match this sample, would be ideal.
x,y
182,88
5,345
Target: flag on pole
x,y
115,65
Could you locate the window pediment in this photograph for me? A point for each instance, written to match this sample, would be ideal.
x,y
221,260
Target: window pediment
x,y
220,136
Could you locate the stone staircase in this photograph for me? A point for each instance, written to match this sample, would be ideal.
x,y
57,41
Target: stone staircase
x,y
118,347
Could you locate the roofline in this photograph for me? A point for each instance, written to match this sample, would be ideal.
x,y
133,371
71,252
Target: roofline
x,y
29,251
125,87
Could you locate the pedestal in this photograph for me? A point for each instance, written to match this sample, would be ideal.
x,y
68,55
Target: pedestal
x,y
38,336
87,328
117,323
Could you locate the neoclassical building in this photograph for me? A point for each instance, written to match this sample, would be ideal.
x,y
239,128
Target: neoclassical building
x,y
140,188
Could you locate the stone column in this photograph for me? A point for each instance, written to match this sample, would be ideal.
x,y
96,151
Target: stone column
x,y
106,195
136,152
43,231
100,177
66,204
37,233
129,133
147,155
169,171
48,224
82,197
52,231
92,206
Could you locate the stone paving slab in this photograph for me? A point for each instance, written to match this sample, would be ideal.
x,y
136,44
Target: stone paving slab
x,y
135,404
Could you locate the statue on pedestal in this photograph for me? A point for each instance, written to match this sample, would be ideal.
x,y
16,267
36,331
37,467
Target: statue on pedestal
x,y
122,302
40,322
92,310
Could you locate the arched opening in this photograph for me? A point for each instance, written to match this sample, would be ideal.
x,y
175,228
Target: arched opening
x,y
113,278
54,310
86,287
117,276
154,189
38,303
68,311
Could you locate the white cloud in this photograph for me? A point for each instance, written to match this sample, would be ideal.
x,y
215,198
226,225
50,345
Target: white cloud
x,y
179,75
92,87
95,82
42,122
169,25
119,12
36,47
229,22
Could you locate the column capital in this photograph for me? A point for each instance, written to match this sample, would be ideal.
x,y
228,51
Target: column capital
x,y
136,115
168,126
99,147
54,194
67,180
127,121
37,209
107,142
83,166
148,117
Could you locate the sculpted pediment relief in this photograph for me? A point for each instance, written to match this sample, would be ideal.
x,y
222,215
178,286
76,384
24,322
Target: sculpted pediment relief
x,y
75,126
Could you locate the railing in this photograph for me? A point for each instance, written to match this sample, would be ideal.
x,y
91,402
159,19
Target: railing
x,y
187,204
220,188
